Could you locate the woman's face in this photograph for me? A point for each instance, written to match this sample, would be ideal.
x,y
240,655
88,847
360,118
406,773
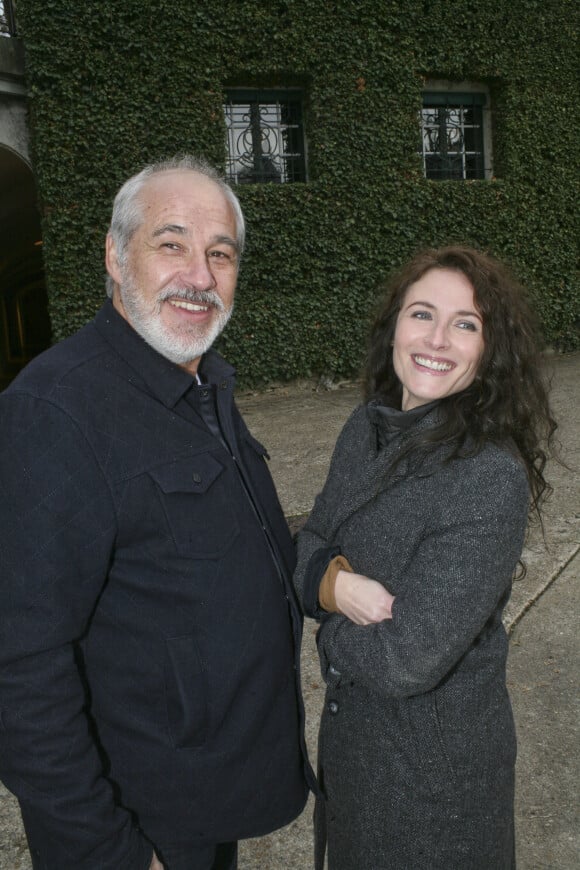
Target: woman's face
x,y
438,338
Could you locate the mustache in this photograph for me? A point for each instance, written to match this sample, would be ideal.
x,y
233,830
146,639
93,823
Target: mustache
x,y
197,297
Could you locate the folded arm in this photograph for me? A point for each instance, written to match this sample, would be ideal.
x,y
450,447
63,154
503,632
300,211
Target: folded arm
x,y
454,586
455,582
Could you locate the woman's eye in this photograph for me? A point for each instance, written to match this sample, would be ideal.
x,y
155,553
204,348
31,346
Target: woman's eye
x,y
421,315
467,324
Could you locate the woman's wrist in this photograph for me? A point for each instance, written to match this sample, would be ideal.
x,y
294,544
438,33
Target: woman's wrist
x,y
327,590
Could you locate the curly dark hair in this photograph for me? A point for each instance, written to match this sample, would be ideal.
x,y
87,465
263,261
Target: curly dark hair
x,y
507,402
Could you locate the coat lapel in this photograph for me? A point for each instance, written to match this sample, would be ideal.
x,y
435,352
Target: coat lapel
x,y
368,475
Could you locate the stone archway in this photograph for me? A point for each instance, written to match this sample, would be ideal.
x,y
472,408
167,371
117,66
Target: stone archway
x,y
24,321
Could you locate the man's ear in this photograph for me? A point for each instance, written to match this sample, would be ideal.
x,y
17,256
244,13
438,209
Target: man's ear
x,y
112,259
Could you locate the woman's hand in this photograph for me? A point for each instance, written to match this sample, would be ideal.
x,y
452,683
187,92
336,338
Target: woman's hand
x,y
362,599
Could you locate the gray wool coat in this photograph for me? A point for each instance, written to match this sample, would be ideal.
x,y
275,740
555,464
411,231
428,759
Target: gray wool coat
x,y
417,742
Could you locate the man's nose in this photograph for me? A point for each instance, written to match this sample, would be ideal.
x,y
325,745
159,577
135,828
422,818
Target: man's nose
x,y
197,272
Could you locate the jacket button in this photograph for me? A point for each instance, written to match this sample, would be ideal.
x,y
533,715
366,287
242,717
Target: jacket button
x,y
196,477
333,707
332,670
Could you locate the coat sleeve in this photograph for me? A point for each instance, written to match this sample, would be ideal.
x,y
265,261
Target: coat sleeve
x,y
57,527
457,579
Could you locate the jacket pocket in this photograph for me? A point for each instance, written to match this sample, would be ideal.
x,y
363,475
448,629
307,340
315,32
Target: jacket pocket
x,y
185,692
428,741
197,505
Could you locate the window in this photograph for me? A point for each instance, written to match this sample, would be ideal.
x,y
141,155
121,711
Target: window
x,y
7,20
265,136
455,133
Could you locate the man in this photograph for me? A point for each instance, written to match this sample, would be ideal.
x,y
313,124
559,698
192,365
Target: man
x,y
149,638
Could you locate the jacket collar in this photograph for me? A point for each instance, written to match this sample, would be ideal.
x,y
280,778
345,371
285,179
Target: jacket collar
x,y
389,423
164,379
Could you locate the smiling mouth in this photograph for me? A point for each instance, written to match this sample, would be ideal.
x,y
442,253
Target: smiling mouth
x,y
188,306
432,364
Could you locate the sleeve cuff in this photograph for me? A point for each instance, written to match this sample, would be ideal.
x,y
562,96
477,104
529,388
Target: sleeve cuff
x,y
320,563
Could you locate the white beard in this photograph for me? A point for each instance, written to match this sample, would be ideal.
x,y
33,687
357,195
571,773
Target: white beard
x,y
180,345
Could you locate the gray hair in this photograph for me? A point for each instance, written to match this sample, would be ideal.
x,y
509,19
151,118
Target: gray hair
x,y
127,208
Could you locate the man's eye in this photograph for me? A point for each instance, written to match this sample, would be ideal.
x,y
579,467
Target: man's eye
x,y
173,246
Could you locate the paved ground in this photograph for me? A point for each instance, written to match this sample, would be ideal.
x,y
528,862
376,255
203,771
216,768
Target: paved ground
x,y
543,682
299,425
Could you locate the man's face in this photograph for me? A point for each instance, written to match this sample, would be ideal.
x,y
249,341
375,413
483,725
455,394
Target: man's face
x,y
176,284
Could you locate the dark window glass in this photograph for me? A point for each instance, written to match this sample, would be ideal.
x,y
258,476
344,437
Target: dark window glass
x,y
471,138
265,136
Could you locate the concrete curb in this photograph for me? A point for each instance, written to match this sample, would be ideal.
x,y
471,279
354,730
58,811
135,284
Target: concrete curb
x,y
537,594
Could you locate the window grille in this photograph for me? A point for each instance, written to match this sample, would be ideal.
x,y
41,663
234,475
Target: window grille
x,y
265,136
452,128
7,19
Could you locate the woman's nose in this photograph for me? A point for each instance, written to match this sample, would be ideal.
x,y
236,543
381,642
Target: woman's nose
x,y
438,335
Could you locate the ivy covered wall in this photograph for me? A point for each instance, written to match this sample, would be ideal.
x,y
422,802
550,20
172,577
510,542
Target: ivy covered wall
x,y
113,86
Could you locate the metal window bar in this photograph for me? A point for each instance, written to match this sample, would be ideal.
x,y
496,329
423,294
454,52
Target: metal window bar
x,y
265,141
7,18
452,136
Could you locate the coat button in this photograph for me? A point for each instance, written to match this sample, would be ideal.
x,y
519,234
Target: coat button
x,y
333,707
333,671
196,477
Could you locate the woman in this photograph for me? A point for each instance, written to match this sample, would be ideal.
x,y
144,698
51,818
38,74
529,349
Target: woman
x,y
407,559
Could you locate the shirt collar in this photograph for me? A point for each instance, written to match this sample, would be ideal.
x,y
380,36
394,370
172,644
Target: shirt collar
x,y
166,380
